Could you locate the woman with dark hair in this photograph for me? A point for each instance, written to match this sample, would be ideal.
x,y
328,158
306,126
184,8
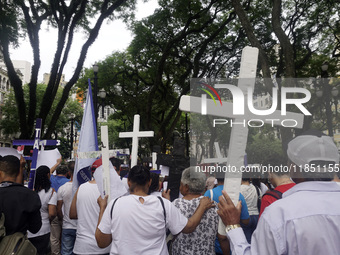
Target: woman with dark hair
x,y
155,185
137,223
48,210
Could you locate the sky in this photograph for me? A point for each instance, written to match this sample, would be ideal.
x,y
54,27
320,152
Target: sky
x,y
113,36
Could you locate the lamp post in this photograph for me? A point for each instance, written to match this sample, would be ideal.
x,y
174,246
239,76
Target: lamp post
x,y
328,93
71,136
95,89
102,95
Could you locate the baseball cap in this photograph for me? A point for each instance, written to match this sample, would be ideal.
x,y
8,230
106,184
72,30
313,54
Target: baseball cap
x,y
312,145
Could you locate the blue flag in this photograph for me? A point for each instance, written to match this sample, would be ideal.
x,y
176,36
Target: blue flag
x,y
87,143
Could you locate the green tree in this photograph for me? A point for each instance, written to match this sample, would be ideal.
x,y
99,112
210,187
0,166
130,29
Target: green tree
x,y
263,147
25,18
182,39
9,122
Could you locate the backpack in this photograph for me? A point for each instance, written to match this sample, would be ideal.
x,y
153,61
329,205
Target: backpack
x,y
274,193
15,244
259,199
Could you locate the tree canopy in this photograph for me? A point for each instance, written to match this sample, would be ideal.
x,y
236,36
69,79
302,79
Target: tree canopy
x,y
26,18
183,39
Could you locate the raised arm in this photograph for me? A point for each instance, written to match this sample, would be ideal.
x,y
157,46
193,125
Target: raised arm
x,y
53,168
205,204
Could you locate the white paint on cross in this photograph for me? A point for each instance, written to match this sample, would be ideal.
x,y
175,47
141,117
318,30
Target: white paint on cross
x,y
107,179
154,160
219,158
135,135
239,133
105,159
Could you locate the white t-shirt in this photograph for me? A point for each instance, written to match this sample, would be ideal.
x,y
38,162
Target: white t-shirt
x,y
264,188
46,198
138,228
65,195
250,195
125,182
156,193
88,213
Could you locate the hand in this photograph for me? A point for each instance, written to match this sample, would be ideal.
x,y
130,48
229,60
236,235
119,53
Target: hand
x,y
206,203
102,202
166,194
229,214
22,162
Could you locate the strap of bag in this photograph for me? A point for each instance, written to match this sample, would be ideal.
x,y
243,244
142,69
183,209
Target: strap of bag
x,y
162,203
212,194
2,226
160,199
257,191
113,206
274,193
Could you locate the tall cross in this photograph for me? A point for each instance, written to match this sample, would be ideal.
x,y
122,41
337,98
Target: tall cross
x,y
106,177
105,159
135,135
239,133
35,143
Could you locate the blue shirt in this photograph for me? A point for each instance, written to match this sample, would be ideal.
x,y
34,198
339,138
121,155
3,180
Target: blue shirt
x,y
57,181
244,211
305,221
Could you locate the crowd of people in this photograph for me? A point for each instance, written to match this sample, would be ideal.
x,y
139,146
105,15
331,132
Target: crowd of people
x,y
297,213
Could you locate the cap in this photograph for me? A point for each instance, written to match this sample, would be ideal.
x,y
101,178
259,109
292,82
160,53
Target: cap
x,y
96,164
313,145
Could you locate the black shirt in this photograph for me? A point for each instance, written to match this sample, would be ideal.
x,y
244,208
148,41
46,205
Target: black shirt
x,y
21,207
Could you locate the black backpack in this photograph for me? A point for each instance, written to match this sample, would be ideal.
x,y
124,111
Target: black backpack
x,y
273,193
259,199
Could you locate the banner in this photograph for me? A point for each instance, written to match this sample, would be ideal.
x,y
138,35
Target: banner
x,y
87,143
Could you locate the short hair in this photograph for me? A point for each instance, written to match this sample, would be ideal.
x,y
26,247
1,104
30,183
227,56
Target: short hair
x,y
62,170
70,166
154,182
116,163
10,165
194,179
139,175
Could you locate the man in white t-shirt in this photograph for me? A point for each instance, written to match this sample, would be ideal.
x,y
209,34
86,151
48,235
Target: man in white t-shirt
x,y
136,224
85,209
69,227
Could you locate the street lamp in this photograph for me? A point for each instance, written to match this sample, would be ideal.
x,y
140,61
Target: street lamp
x,y
328,93
95,88
71,136
102,95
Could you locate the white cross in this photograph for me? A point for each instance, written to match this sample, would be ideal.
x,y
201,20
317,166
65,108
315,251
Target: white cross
x,y
105,159
219,158
135,135
154,159
106,177
239,133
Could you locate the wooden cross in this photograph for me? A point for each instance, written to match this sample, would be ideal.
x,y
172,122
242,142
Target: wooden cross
x,y
135,135
35,143
239,133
